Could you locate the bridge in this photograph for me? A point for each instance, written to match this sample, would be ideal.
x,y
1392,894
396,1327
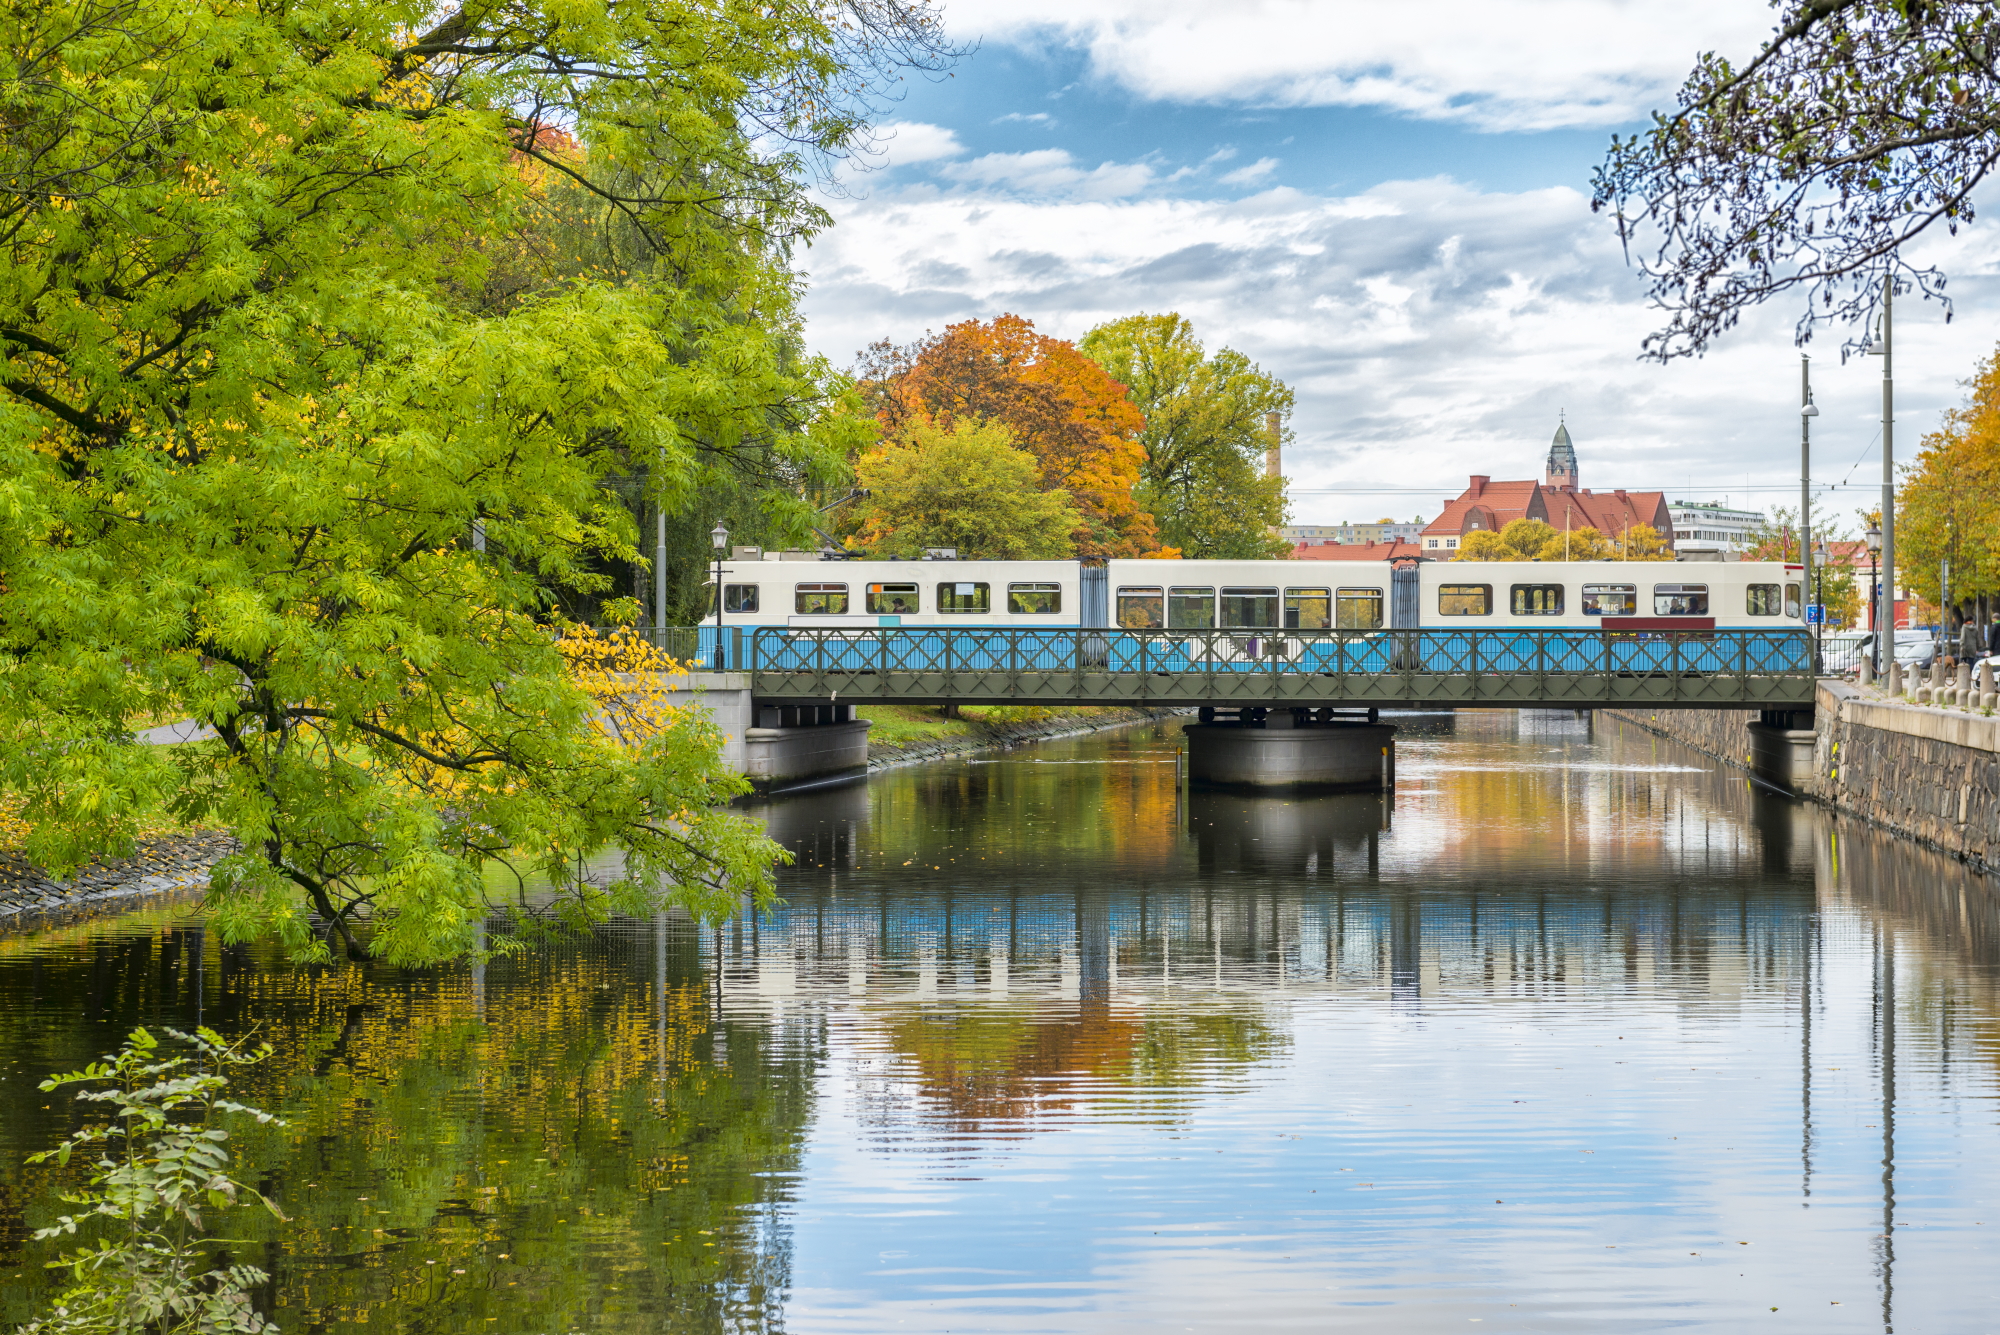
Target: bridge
x,y
1553,669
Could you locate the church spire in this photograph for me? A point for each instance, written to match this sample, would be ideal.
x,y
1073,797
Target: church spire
x,y
1560,472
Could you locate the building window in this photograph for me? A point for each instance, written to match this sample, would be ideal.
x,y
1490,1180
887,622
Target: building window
x,y
1191,609
1433,542
1308,609
1680,600
1610,600
1034,599
1141,609
892,599
739,597
1451,542
1537,600
1762,600
1465,600
1357,609
821,600
965,599
1249,609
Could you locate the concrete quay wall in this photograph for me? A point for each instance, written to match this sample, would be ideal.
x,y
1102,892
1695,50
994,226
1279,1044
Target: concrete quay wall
x,y
1930,775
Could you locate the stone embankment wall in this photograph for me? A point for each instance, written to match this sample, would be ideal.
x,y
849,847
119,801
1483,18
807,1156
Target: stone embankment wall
x,y
1932,775
995,736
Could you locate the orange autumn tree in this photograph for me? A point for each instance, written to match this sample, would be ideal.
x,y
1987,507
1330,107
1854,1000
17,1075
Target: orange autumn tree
x,y
1057,404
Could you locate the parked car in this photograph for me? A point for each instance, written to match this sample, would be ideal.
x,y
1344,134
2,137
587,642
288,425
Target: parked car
x,y
1841,650
1914,649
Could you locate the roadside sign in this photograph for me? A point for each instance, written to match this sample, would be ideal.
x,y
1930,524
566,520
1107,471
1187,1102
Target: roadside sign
x,y
1815,614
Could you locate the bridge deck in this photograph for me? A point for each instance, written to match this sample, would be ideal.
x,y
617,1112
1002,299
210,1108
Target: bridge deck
x,y
1507,668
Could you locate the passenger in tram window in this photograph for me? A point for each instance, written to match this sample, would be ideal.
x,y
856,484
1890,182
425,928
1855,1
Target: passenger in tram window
x,y
1034,599
1792,600
893,599
1610,600
1141,609
961,599
1761,600
739,597
1680,600
1190,609
1357,609
1465,600
821,599
1537,600
1308,609
1249,609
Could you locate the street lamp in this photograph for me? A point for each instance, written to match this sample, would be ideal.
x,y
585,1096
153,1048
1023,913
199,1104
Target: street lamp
x,y
718,537
1807,411
1874,537
1819,601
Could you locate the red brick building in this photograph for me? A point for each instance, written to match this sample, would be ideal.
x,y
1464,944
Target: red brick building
x,y
1394,550
1556,500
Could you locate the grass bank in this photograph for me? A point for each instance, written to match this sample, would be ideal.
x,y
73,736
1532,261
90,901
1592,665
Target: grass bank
x,y
902,733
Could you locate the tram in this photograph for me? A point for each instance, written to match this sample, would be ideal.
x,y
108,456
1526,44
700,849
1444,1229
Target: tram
x,y
1192,614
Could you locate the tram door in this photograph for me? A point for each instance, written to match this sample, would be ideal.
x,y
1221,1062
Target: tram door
x,y
1405,599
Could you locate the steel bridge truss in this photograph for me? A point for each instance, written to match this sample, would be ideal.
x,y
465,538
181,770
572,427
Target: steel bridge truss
x,y
1555,669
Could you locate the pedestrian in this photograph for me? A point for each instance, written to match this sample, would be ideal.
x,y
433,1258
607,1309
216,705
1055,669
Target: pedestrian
x,y
1993,635
1970,642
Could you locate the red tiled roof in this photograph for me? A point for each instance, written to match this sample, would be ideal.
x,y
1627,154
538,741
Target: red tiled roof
x,y
1355,551
1489,504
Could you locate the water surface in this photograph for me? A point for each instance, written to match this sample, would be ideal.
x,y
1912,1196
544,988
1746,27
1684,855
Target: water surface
x,y
1571,1034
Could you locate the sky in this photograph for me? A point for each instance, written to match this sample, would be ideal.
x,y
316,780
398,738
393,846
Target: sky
x,y
1387,207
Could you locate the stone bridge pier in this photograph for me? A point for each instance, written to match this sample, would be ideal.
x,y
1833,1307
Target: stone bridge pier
x,y
778,747
1295,746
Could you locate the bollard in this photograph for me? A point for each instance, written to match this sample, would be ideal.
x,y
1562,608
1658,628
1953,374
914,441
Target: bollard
x,y
1895,678
1988,700
1867,675
1961,695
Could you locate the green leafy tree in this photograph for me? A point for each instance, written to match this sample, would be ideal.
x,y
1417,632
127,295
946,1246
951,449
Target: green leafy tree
x,y
1520,540
160,1175
1859,126
968,488
1205,437
273,457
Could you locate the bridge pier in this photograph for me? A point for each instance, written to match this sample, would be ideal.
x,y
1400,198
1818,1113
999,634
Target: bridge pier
x,y
1291,747
1781,747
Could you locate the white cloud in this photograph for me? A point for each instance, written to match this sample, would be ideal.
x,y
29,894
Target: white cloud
x,y
1041,118
1430,330
905,143
1052,171
1251,174
1498,64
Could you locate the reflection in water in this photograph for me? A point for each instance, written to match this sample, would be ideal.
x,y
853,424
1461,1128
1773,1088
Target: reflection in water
x,y
1572,1032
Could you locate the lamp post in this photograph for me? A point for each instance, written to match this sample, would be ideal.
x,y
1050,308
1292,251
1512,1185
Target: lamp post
x,y
1875,601
1807,411
718,538
1819,601
1882,348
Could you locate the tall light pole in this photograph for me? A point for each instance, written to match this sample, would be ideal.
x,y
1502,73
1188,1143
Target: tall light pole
x,y
718,538
1807,411
660,577
1882,348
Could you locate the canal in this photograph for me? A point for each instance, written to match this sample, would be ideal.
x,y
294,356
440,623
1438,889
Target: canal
x,y
1572,1033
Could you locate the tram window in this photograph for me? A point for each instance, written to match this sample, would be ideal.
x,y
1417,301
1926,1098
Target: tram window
x,y
1680,600
739,597
1190,609
1610,600
892,599
1308,609
1465,600
1357,609
1142,609
821,599
1537,600
958,599
1762,600
1791,600
1034,599
1249,609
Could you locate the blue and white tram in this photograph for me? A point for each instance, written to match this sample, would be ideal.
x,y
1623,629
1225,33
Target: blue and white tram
x,y
1250,605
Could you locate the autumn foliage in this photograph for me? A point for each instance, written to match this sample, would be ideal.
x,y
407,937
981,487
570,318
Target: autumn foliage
x,y
1056,403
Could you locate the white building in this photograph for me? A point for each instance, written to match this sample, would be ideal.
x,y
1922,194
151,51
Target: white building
x,y
1382,530
1711,531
